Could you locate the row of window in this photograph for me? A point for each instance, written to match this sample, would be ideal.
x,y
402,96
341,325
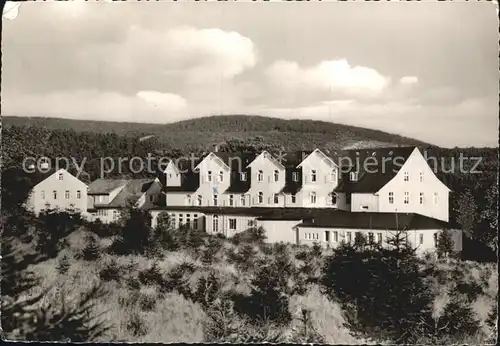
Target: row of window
x,y
67,194
353,176
406,198
332,199
333,236
276,175
231,221
187,221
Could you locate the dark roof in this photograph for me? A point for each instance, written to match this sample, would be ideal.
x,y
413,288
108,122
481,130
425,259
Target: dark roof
x,y
376,167
374,220
263,213
105,186
131,192
292,186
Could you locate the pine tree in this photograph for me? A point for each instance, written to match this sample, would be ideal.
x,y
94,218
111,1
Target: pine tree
x,y
63,265
91,251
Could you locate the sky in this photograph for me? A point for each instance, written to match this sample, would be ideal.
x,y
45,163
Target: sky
x,y
422,70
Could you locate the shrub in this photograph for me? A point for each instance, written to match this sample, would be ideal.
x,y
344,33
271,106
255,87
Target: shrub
x,y
472,290
459,319
147,302
110,271
212,247
445,244
306,332
136,325
91,251
207,290
63,265
250,236
151,276
178,279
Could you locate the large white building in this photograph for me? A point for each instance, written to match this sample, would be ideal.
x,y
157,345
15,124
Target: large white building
x,y
297,197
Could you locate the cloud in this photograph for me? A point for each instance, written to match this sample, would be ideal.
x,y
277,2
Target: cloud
x,y
146,106
166,101
408,80
334,75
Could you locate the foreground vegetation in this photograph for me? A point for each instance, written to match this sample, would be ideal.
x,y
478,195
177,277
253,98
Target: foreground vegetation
x,y
69,279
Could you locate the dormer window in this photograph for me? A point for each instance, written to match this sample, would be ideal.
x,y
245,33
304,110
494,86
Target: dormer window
x,y
209,175
221,176
313,175
295,176
170,175
260,197
260,176
243,176
313,197
333,176
276,175
231,200
216,200
353,176
200,199
421,177
406,176
61,176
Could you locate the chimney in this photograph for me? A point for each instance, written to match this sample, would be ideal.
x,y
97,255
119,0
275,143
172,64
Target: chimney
x,y
216,148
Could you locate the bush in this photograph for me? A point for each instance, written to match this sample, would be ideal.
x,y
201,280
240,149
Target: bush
x,y
458,319
136,325
91,251
250,236
63,265
207,290
445,244
178,279
110,271
147,302
151,276
471,290
212,247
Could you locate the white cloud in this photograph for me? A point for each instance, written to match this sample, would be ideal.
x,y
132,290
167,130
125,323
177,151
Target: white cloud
x,y
408,80
334,75
159,100
146,106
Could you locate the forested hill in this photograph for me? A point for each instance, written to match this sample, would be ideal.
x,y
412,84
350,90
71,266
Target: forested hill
x,y
193,133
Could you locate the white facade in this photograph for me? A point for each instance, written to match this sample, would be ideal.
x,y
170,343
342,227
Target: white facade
x,y
319,180
60,190
268,179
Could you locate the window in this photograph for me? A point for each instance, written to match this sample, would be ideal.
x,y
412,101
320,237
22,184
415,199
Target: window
x,y
421,198
349,237
151,198
216,200
327,236
188,220
406,176
294,198
353,176
221,176
243,176
209,175
406,198
370,237
313,175
332,198
435,239
275,198
295,176
379,238
391,197
333,176
231,200
313,197
78,194
195,221
421,177
61,176
335,236
276,175
188,199
215,223
181,220
170,175
435,198
260,176
260,197
242,199
115,214
200,199
54,193
421,238
232,224
43,194
66,194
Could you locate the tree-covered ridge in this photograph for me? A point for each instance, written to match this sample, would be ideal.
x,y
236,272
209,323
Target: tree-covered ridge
x,y
198,132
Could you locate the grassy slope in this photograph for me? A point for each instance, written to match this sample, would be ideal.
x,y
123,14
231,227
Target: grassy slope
x,y
176,319
214,129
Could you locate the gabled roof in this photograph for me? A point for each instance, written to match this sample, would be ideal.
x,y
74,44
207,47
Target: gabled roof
x,y
374,220
134,189
212,154
328,158
382,164
265,153
105,186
